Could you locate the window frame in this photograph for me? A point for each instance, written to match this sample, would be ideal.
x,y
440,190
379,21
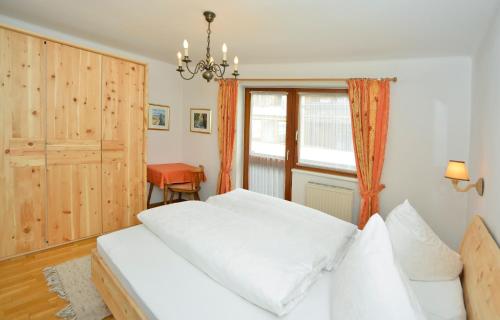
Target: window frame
x,y
305,167
292,126
246,135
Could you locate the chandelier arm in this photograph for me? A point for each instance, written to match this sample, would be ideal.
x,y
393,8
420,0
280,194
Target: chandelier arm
x,y
223,71
186,78
196,68
216,70
189,69
200,66
219,71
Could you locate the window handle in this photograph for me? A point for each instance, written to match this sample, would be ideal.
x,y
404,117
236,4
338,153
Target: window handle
x,y
287,153
296,135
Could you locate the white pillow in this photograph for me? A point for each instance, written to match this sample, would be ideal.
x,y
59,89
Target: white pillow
x,y
367,284
414,300
421,253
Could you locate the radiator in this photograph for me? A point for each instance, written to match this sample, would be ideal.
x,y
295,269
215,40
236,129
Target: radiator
x,y
335,201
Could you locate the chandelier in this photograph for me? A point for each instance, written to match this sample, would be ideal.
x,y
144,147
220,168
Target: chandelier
x,y
207,66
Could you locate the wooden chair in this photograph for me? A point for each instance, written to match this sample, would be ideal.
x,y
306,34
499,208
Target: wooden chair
x,y
191,188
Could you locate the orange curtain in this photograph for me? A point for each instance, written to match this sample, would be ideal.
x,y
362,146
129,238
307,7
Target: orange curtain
x,y
226,107
369,101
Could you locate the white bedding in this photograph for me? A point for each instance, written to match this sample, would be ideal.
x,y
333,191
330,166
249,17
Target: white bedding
x,y
422,254
269,260
327,232
167,287
368,285
440,300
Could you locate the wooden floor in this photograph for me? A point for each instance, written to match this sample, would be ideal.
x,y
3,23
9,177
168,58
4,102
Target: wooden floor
x,y
23,290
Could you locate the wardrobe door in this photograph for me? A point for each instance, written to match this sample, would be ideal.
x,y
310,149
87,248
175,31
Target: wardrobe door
x,y
73,143
122,143
22,144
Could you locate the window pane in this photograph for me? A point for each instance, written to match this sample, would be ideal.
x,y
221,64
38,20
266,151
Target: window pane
x,y
325,134
268,124
266,169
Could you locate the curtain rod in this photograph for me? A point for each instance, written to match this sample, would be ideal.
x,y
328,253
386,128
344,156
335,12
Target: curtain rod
x,y
393,79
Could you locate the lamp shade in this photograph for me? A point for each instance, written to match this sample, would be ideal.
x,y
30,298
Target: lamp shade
x,y
457,170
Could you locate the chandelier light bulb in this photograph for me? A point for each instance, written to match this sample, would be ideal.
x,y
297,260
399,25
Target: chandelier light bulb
x,y
236,61
185,44
224,52
179,59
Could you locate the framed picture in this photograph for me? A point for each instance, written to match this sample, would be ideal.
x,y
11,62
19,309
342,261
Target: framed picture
x,y
159,117
201,120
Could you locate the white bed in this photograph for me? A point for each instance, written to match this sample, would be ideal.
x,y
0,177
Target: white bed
x,y
174,289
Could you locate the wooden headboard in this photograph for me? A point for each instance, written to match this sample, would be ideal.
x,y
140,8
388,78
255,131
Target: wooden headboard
x,y
481,274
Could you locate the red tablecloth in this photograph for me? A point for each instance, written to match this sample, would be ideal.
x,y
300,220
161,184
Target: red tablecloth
x,y
170,173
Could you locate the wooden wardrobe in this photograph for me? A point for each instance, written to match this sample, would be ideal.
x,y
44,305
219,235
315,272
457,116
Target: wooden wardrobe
x,y
72,142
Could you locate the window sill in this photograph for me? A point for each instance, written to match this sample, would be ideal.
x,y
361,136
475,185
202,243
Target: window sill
x,y
335,172
330,175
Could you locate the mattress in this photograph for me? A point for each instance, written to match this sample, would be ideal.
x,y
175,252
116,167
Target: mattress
x,y
168,287
440,300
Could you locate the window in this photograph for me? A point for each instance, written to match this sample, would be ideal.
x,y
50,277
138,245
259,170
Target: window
x,y
268,124
324,131
287,128
267,139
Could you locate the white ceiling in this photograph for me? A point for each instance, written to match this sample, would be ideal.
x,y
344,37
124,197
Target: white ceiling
x,y
267,31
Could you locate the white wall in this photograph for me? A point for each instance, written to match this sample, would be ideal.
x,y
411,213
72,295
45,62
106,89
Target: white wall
x,y
164,88
201,148
485,130
429,124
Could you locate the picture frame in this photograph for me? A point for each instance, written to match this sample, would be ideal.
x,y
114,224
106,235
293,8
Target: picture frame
x,y
201,120
158,117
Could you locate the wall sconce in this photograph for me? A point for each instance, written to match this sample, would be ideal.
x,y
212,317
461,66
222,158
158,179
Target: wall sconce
x,y
457,171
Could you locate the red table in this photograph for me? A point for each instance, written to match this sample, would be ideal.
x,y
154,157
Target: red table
x,y
164,174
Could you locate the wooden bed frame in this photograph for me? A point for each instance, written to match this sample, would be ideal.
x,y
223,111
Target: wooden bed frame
x,y
480,278
481,274
121,304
